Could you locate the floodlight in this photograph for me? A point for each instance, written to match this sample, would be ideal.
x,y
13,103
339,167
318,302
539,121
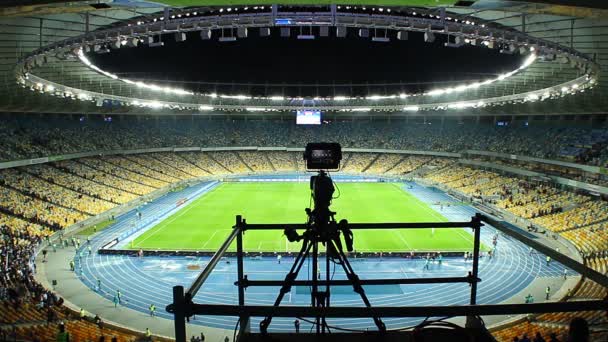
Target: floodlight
x,y
205,34
241,32
227,39
132,42
180,37
381,39
264,32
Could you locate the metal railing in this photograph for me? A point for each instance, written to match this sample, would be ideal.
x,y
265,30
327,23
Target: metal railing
x,y
183,305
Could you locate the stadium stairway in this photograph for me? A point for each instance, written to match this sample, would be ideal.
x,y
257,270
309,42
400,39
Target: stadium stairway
x,y
115,163
80,191
424,169
40,197
163,162
91,179
269,162
217,162
243,161
154,168
346,160
98,165
181,156
295,162
395,164
371,162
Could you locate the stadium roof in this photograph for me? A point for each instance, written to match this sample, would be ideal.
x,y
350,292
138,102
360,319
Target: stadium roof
x,y
35,24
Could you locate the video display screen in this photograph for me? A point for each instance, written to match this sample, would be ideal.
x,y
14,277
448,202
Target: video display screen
x,y
308,117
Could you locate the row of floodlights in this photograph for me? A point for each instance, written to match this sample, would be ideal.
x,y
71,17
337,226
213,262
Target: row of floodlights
x,y
435,92
588,83
231,35
248,9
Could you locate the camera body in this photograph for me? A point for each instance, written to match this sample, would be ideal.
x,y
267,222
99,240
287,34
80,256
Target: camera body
x,y
323,156
323,190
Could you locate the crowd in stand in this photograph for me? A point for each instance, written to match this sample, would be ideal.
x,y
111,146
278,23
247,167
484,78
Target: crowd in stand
x,y
28,311
579,218
36,200
59,194
20,294
40,137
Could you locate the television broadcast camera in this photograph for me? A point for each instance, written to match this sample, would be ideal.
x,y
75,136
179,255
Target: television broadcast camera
x,y
323,156
322,228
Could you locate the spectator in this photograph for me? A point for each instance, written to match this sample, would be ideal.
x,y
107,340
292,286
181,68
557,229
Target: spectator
x,y
62,335
538,337
578,330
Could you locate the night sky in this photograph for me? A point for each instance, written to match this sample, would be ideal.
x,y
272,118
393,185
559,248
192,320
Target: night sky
x,y
330,60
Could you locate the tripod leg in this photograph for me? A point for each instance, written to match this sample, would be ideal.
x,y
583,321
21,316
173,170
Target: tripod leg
x,y
289,279
327,290
354,279
315,283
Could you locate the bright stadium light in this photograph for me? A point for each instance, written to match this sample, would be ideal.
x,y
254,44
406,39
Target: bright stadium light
x,y
205,108
460,88
461,105
379,97
255,109
411,108
236,97
436,92
532,97
155,104
139,84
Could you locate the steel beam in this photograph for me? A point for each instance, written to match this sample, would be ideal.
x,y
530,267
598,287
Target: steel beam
x,y
401,311
392,281
198,282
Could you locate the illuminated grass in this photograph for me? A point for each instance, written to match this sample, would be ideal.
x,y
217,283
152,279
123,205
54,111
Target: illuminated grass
x,y
204,223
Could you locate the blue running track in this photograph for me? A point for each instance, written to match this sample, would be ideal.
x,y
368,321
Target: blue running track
x,y
150,279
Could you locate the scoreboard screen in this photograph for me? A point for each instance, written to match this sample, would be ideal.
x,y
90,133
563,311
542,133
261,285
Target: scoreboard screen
x,y
308,117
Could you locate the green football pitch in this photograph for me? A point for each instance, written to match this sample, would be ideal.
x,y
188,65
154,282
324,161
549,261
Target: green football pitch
x,y
205,223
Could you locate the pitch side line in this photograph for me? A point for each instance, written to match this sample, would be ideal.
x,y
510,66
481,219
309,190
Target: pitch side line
x,y
437,215
164,224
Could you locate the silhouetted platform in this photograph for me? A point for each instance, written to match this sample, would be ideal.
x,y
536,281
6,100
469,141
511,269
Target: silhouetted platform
x,y
428,334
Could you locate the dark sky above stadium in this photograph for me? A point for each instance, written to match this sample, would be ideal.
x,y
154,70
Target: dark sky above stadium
x,y
274,59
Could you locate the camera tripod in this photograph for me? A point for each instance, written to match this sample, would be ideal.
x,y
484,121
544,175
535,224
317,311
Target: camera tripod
x,y
321,228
